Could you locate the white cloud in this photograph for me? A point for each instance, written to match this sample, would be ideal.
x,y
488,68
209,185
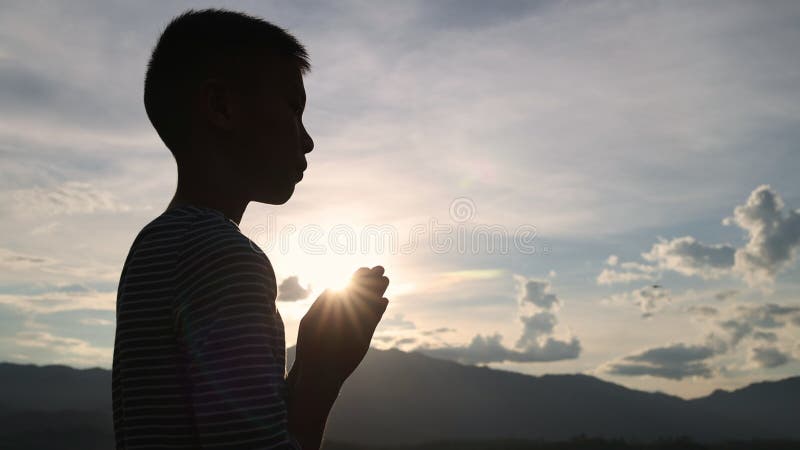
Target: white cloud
x,y
68,198
773,243
536,343
404,341
609,276
436,331
774,236
398,322
64,350
58,301
748,320
628,272
690,257
702,310
536,326
650,299
537,292
96,321
29,266
291,291
484,350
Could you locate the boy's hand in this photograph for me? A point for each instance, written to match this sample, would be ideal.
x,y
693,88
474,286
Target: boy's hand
x,y
336,331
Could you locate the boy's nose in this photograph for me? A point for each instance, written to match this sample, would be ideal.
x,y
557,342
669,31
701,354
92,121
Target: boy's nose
x,y
308,144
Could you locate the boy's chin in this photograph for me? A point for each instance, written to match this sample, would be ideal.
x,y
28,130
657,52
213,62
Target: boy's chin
x,y
275,196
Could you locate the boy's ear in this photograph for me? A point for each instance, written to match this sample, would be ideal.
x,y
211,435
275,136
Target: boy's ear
x,y
217,103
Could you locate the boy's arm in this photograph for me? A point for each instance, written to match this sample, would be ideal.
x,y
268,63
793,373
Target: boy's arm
x,y
226,318
310,402
333,338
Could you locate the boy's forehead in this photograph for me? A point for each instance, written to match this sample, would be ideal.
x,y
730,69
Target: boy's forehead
x,y
281,74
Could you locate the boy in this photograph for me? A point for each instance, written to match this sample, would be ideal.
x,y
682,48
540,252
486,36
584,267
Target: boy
x,y
199,351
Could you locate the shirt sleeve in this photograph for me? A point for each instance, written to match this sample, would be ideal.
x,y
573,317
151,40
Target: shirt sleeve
x,y
227,322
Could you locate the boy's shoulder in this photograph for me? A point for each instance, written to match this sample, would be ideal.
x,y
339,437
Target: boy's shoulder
x,y
199,242
192,229
191,220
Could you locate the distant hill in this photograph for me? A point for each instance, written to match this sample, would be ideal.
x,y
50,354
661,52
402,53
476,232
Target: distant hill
x,y
405,398
408,398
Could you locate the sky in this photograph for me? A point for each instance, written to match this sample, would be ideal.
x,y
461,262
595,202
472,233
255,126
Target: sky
x,y
598,187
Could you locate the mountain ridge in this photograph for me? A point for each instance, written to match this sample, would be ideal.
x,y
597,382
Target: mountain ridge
x,y
410,398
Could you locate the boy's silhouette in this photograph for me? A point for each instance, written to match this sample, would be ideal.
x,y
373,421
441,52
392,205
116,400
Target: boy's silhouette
x,y
199,352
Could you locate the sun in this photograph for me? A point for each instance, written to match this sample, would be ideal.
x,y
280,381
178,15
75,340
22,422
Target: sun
x,y
324,271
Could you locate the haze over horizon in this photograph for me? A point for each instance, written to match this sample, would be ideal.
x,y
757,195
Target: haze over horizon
x,y
638,159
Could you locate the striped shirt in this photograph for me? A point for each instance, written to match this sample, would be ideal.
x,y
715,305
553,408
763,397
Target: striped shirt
x,y
199,350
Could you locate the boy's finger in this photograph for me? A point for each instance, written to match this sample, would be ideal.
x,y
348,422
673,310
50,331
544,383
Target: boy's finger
x,y
371,286
383,303
362,271
379,285
375,306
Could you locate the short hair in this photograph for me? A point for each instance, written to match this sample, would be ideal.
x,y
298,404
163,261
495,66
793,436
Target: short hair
x,y
198,44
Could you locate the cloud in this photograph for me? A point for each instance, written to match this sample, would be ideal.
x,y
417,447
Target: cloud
x,y
630,271
536,326
96,321
475,14
766,336
725,295
538,293
63,350
774,236
12,260
291,291
609,276
650,299
702,310
747,320
535,344
32,267
770,315
490,349
71,197
773,241
440,330
769,357
690,257
737,330
405,341
674,362
398,322
59,300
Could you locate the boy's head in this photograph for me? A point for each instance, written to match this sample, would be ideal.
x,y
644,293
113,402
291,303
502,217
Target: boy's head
x,y
224,90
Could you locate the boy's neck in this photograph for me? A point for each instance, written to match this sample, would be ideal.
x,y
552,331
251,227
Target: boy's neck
x,y
209,193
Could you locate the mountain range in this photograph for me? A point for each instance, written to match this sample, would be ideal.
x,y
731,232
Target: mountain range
x,y
407,398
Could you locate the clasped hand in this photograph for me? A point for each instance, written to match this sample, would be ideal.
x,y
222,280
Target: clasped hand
x,y
335,333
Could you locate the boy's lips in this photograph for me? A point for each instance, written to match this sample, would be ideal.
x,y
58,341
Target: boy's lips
x,y
300,170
